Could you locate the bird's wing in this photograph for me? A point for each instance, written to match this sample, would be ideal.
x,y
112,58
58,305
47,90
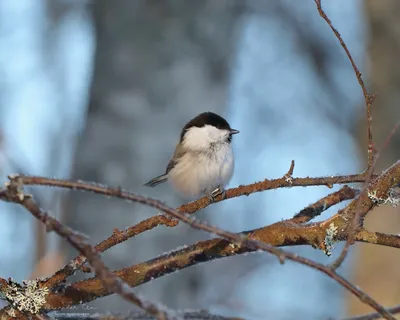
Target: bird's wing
x,y
175,159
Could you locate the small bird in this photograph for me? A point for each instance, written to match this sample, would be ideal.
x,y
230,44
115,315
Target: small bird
x,y
203,161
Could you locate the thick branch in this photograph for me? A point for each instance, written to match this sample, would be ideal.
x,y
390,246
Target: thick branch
x,y
388,240
203,251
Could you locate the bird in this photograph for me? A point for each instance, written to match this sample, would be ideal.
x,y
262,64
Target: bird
x,y
203,161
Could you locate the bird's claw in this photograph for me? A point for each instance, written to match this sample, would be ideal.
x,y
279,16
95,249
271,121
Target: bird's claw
x,y
217,192
211,199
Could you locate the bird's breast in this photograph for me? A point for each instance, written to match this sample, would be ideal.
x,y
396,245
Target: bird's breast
x,y
201,173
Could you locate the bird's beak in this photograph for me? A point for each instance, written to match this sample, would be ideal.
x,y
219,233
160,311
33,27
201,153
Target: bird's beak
x,y
234,131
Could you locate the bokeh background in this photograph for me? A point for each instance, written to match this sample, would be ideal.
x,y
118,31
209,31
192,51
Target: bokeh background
x,y
99,90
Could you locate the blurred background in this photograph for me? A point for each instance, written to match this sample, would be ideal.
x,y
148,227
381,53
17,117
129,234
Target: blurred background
x,y
99,90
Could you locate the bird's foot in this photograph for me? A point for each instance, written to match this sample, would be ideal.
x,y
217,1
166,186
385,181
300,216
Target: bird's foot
x,y
217,192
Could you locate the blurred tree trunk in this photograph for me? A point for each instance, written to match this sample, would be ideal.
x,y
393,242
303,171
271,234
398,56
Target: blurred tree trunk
x,y
376,270
157,64
38,123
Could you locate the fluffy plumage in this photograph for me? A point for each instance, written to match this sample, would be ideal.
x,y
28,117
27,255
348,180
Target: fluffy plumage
x,y
203,160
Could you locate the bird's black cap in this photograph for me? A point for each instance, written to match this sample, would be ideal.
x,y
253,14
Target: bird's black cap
x,y
208,118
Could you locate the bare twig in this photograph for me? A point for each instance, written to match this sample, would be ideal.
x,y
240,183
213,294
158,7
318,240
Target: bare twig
x,y
314,210
355,221
390,136
116,238
243,190
369,99
375,315
372,157
14,194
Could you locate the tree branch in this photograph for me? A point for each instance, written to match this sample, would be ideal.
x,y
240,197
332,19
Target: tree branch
x,y
116,238
375,315
368,98
113,283
243,190
278,234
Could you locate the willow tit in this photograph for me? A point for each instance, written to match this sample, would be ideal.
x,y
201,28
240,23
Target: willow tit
x,y
203,160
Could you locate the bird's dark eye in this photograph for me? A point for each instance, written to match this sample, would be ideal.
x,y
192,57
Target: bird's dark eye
x,y
229,138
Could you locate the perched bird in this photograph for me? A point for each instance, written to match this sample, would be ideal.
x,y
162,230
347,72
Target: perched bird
x,y
203,161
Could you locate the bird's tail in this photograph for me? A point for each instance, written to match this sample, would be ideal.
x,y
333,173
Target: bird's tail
x,y
157,180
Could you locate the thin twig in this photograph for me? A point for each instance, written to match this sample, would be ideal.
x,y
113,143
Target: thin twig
x,y
314,210
110,280
355,221
375,315
390,136
369,99
372,157
117,237
243,190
